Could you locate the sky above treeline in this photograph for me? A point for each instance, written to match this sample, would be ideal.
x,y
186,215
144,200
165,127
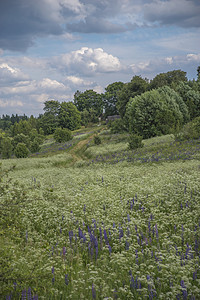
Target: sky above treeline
x,y
49,49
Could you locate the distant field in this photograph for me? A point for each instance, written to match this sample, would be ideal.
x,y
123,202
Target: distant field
x,y
102,222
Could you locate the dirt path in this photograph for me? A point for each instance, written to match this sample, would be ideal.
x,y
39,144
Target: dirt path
x,y
76,151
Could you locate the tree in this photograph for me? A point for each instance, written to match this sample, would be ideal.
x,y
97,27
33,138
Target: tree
x,y
21,150
198,73
6,147
110,98
62,135
137,86
191,98
87,100
69,116
170,94
171,78
153,113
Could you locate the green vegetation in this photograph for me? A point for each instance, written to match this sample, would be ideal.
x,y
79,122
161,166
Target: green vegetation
x,y
102,221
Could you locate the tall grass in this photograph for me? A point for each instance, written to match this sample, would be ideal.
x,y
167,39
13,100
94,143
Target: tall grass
x,y
127,230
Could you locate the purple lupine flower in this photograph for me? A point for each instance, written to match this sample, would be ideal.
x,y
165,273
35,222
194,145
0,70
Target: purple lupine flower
x,y
26,236
105,236
53,280
15,285
93,292
66,279
52,270
29,297
132,284
115,294
128,218
70,236
109,248
62,218
127,245
60,230
136,228
148,277
121,233
84,208
114,225
149,226
24,295
194,275
64,251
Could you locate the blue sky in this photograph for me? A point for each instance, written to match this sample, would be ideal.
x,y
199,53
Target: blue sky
x,y
49,49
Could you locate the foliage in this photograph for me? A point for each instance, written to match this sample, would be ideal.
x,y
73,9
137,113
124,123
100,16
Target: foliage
x,y
168,92
137,86
97,140
117,126
88,117
87,100
6,147
171,78
126,229
20,138
35,145
190,131
135,141
69,116
191,98
62,135
153,113
110,98
21,150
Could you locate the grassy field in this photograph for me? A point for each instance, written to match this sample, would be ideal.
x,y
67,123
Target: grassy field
x,y
92,221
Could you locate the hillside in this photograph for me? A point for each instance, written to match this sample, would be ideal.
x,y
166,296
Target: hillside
x,y
86,221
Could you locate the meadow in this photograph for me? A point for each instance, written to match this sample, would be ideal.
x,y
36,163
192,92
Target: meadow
x,y
86,221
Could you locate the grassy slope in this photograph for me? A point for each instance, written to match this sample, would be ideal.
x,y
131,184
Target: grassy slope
x,y
152,245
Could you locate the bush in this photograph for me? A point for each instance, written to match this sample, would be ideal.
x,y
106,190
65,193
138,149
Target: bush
x,y
6,147
62,135
97,140
21,150
191,130
135,141
34,146
117,126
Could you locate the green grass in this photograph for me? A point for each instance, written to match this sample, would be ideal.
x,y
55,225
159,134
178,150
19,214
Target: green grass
x,y
135,222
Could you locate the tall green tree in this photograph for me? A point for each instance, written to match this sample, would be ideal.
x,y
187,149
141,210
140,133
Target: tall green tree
x,y
69,116
153,113
137,86
110,98
171,78
89,99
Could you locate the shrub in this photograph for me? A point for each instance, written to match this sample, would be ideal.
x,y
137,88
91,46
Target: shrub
x,y
62,135
6,147
21,150
97,140
135,141
34,146
191,130
117,126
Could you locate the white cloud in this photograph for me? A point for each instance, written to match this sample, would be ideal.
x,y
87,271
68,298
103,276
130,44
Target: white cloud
x,y
88,61
194,57
79,81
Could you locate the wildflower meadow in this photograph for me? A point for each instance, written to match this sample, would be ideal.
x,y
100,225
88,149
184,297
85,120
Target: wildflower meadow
x,y
114,224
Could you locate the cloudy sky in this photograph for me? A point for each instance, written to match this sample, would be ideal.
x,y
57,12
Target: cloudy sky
x,y
49,49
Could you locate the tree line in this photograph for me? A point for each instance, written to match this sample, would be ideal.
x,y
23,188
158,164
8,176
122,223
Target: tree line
x,y
147,108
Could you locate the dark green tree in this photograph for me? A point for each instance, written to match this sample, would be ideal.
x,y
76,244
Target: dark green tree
x,y
171,78
21,150
110,98
69,116
87,100
62,135
152,114
137,86
6,147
